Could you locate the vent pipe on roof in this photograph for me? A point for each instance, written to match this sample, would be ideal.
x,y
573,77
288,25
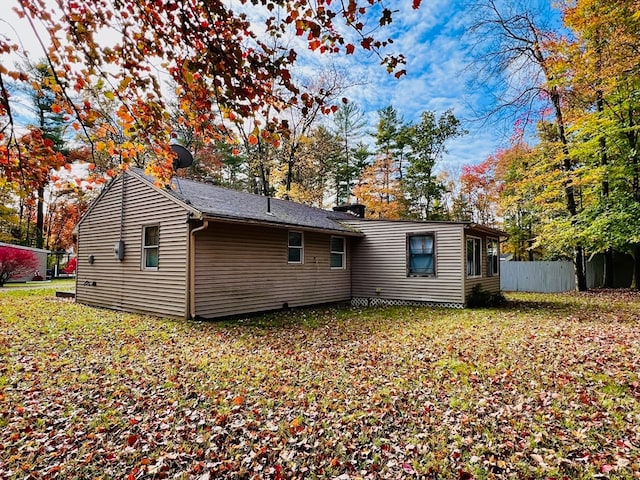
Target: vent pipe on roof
x,y
269,206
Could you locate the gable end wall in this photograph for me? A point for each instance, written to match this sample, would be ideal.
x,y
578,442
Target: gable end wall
x,y
124,285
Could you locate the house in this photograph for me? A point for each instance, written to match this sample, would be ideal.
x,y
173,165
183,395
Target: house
x,y
195,250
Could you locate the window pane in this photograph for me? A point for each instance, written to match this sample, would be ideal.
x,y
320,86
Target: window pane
x,y
492,257
421,244
336,260
474,264
422,264
421,258
151,258
295,239
337,244
295,255
476,257
151,236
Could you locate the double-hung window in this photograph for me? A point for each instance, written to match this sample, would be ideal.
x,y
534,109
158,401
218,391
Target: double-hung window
x,y
296,247
338,253
492,257
150,247
474,258
421,254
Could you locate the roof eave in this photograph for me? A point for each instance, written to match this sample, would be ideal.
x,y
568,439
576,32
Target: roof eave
x,y
486,229
279,224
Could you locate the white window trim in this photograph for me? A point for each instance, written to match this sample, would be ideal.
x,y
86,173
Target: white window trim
x,y
301,247
148,247
343,253
470,237
497,272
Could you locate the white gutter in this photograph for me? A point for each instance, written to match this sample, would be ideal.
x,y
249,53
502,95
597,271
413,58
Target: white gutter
x,y
191,287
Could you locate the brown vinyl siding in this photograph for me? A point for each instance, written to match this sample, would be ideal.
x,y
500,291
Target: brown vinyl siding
x,y
380,262
243,268
124,285
489,283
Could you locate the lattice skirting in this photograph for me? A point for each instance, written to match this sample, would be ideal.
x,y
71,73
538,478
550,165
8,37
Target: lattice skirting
x,y
380,302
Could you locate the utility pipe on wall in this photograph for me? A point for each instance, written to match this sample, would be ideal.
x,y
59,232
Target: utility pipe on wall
x,y
192,268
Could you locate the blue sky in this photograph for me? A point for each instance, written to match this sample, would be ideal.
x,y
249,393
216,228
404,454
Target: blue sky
x,y
440,75
434,42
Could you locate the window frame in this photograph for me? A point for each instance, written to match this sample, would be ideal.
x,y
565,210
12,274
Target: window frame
x,y
475,257
490,261
411,235
343,253
146,248
297,247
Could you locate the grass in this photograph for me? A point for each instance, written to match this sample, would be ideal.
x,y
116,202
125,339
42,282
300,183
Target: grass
x,y
547,386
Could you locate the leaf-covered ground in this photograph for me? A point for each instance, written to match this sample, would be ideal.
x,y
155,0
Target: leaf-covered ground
x,y
546,387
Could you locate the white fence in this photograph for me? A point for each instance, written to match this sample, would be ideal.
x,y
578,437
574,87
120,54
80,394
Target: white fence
x,y
545,277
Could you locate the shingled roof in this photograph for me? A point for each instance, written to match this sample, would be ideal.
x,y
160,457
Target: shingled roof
x,y
216,202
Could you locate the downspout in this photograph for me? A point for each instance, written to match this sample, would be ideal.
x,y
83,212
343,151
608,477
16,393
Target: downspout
x,y
192,268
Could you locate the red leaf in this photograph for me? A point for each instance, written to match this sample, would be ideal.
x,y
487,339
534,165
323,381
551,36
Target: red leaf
x,y
606,468
131,440
407,467
350,49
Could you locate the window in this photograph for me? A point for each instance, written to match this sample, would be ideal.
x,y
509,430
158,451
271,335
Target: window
x,y
420,255
150,246
296,248
492,257
474,263
337,252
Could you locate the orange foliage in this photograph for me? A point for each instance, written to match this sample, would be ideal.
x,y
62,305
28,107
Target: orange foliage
x,y
215,55
379,190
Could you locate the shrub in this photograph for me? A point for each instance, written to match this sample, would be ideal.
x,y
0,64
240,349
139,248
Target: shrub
x,y
479,297
71,266
15,263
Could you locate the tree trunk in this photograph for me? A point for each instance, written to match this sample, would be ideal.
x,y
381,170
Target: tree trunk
x,y
635,253
608,268
40,219
604,161
581,278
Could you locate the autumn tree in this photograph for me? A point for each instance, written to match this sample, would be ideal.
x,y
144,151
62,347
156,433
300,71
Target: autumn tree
x,y
9,219
310,172
38,152
480,189
379,189
516,47
218,54
16,263
63,214
520,204
602,64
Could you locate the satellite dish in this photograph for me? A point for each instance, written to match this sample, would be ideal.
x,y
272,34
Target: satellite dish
x,y
184,160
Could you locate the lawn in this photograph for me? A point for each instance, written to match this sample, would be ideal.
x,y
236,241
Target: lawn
x,y
547,386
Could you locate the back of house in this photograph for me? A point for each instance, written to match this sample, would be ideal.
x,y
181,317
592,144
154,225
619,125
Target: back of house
x,y
407,262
